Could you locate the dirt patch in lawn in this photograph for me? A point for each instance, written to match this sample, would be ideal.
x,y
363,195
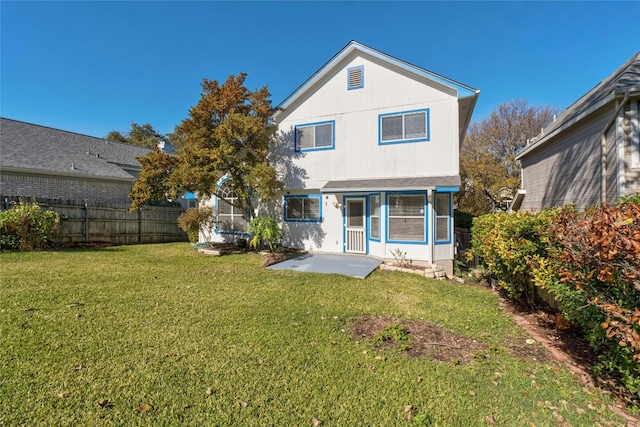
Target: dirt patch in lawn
x,y
427,339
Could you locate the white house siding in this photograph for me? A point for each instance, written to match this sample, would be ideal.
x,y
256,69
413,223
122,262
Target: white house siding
x,y
356,112
566,171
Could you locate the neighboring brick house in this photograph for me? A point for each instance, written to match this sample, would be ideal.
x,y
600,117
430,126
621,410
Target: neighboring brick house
x,y
41,162
591,152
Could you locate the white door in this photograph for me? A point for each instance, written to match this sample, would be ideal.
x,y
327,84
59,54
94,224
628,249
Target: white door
x,y
355,226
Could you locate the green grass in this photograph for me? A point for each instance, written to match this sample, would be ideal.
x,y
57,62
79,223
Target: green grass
x,y
222,341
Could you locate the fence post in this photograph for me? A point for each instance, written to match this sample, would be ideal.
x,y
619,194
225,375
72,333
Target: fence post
x,y
140,225
86,222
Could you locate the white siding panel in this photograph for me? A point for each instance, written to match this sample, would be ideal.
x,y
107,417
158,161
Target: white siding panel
x,y
357,154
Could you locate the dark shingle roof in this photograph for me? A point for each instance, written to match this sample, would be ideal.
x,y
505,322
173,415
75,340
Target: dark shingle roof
x,y
391,184
29,147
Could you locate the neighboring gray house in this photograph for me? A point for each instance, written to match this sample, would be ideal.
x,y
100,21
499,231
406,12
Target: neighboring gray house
x,y
591,152
41,162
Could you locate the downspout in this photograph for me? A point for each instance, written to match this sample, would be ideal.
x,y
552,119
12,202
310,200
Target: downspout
x,y
430,222
603,147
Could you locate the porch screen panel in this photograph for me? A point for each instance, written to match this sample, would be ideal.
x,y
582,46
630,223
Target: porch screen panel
x,y
407,217
374,217
356,214
442,216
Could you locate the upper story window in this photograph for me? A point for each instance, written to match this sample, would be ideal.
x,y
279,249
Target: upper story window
x,y
355,77
302,208
315,136
407,126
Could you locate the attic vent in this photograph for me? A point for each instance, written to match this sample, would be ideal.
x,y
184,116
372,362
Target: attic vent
x,y
355,77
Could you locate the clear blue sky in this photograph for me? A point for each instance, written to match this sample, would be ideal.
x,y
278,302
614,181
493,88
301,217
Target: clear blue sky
x,y
93,67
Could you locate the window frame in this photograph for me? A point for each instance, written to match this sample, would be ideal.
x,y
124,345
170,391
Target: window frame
x,y
403,114
437,218
314,125
303,197
232,215
425,216
371,216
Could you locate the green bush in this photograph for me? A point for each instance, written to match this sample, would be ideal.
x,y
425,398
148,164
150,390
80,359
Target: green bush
x,y
589,261
507,243
594,271
26,227
193,220
264,230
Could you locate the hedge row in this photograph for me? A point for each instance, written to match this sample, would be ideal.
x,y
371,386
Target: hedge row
x,y
589,261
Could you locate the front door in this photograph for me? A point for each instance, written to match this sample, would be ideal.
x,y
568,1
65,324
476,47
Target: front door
x,y
355,226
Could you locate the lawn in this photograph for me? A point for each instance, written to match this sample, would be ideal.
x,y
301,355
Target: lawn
x,y
159,334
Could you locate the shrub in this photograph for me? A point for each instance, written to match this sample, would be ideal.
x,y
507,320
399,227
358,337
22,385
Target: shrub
x,y
595,273
26,227
264,230
193,220
507,244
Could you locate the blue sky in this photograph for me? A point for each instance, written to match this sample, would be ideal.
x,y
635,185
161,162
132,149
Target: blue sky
x,y
92,67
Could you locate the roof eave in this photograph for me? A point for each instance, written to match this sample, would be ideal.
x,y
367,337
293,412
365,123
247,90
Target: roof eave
x,y
575,119
445,83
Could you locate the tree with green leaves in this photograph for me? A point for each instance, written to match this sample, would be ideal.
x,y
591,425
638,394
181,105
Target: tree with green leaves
x,y
228,134
488,167
141,135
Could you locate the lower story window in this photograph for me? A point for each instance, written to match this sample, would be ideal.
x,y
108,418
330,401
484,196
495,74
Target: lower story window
x,y
407,217
374,217
443,216
231,219
302,208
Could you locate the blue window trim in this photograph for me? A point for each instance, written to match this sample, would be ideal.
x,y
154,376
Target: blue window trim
x,y
426,218
303,150
404,141
217,201
303,196
435,218
344,220
369,198
361,85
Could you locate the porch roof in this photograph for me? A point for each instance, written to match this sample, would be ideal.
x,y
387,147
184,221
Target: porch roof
x,y
392,184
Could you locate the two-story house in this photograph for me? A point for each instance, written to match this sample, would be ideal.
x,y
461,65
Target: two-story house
x,y
368,149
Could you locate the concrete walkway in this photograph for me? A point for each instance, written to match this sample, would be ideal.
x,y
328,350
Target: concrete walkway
x,y
347,264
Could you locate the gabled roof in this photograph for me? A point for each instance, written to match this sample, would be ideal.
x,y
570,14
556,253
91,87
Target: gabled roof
x,y
26,147
467,96
624,79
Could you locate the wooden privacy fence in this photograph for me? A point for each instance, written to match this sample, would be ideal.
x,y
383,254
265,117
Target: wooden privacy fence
x,y
110,222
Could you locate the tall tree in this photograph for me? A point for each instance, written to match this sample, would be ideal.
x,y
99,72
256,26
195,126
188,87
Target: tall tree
x,y
228,133
141,135
489,170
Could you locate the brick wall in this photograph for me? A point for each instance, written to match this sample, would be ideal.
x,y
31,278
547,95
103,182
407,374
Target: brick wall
x,y
29,186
